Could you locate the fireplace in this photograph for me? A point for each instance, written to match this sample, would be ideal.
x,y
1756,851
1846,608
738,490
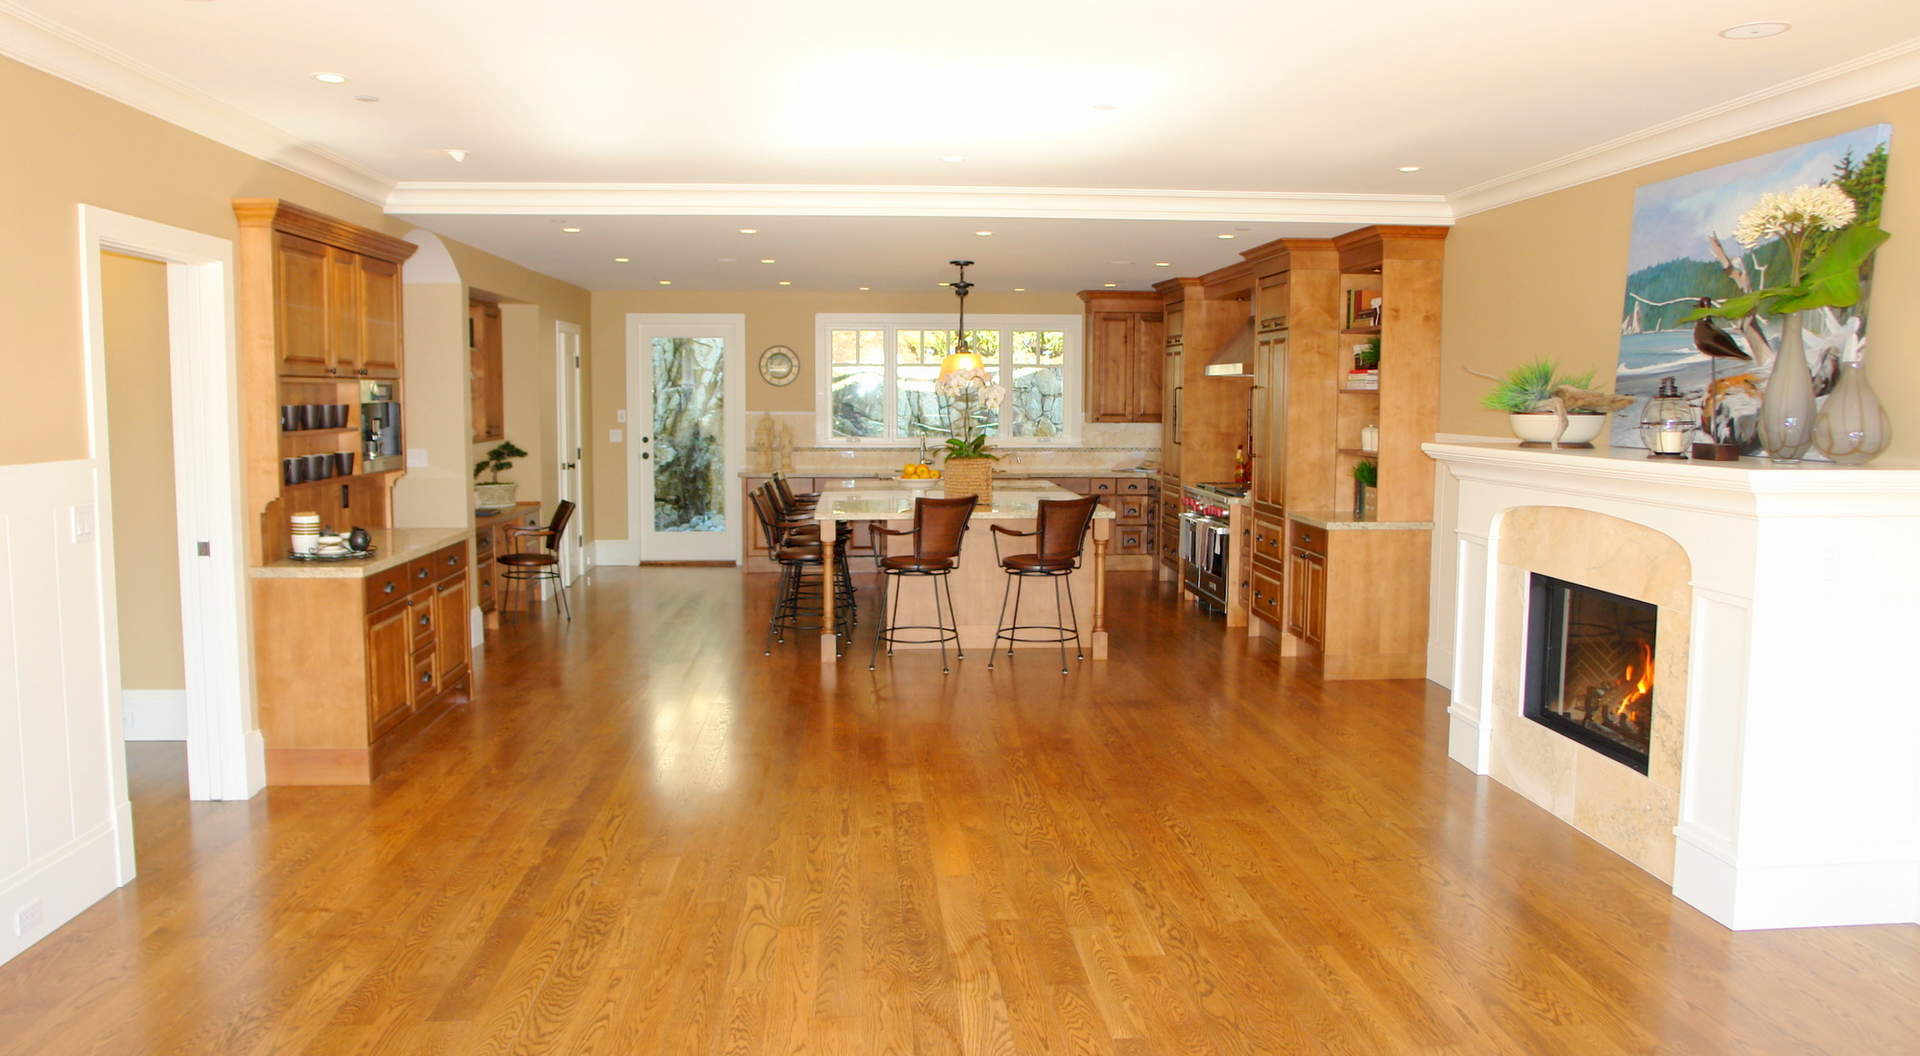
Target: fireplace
x,y
1590,667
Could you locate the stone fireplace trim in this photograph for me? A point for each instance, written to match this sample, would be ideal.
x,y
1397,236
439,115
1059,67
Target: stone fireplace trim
x,y
1799,789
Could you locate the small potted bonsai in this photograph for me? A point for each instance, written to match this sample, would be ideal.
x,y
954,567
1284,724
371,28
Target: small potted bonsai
x,y
1366,478
1534,411
493,492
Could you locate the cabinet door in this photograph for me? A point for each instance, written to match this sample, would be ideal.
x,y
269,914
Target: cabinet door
x,y
1315,623
1149,349
1170,415
1270,420
389,668
343,310
1110,359
1296,587
300,305
379,285
450,636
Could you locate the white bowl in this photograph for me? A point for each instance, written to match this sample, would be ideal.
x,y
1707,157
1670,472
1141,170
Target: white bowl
x,y
918,483
1538,427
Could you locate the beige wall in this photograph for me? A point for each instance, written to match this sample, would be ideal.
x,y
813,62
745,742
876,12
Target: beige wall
x,y
773,318
80,147
139,406
1545,277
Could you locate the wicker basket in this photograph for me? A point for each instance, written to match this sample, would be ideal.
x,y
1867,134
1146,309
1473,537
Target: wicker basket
x,y
968,476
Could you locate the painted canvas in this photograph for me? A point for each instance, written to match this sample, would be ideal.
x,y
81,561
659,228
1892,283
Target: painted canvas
x,y
1686,248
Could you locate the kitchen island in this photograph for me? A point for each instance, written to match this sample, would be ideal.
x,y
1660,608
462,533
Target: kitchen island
x,y
978,584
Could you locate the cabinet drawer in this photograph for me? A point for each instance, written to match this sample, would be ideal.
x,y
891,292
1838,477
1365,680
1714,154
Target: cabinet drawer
x,y
420,573
485,587
426,681
1266,597
1101,486
1269,540
1307,537
448,559
1136,509
1137,486
386,588
420,617
1077,485
1132,539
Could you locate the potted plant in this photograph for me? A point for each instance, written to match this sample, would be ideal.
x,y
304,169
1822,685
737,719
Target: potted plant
x,y
1366,481
969,466
1527,395
494,492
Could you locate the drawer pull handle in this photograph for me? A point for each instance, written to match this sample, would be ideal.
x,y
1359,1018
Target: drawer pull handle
x,y
453,559
387,588
426,678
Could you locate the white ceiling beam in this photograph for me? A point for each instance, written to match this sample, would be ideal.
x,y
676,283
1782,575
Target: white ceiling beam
x,y
425,198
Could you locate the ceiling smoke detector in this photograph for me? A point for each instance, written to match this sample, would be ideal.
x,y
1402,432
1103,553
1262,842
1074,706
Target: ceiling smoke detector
x,y
1755,30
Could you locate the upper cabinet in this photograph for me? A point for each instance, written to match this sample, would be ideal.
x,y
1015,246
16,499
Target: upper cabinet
x,y
335,290
484,367
1124,356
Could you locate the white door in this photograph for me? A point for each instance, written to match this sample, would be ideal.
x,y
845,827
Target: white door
x,y
687,435
569,445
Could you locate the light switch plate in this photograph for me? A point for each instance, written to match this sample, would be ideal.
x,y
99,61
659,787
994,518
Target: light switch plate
x,y
620,415
81,522
416,457
615,436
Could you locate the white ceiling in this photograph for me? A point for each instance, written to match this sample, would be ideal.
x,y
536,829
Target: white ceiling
x,y
1241,95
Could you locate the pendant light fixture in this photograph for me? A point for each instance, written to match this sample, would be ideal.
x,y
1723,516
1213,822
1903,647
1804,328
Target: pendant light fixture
x,y
963,357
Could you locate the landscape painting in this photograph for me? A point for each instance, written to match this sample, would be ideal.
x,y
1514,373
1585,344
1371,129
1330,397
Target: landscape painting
x,y
1686,251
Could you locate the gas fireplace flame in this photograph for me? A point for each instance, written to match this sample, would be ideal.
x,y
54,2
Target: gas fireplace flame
x,y
1641,684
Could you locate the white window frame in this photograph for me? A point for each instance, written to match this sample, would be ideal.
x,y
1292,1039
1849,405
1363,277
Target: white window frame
x,y
1072,372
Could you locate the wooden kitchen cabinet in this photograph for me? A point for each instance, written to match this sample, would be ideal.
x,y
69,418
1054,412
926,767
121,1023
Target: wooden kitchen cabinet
x,y
344,332
380,317
1124,368
300,308
484,367
1307,598
451,649
389,667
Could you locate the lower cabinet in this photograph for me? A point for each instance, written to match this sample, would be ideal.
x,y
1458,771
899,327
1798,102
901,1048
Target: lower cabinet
x,y
351,667
1347,598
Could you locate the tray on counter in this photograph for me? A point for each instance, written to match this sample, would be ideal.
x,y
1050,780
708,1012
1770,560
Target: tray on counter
x,y
344,555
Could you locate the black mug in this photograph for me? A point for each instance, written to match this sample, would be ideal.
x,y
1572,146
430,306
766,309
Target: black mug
x,y
319,467
337,416
343,463
286,418
293,470
302,416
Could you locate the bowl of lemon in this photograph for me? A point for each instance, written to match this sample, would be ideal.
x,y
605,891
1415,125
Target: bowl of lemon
x,y
918,475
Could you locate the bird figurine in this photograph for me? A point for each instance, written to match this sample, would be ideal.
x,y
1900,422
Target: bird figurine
x,y
1713,341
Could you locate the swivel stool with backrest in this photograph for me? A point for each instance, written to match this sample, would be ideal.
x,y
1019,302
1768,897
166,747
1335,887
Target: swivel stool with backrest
x,y
939,525
1059,534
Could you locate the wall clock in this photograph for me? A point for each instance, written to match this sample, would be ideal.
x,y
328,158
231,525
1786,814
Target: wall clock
x,y
779,365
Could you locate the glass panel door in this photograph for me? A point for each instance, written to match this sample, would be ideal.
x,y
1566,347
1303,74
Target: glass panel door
x,y
688,435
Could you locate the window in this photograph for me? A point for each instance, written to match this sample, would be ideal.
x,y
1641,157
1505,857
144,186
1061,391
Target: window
x,y
877,377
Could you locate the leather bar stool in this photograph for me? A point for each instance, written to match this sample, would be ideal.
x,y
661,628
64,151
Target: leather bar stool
x,y
938,527
788,498
1060,536
801,562
520,567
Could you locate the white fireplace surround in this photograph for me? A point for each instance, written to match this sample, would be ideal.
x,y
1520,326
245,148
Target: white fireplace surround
x,y
1800,782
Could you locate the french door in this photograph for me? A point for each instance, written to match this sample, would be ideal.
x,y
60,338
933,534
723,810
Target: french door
x,y
569,445
686,435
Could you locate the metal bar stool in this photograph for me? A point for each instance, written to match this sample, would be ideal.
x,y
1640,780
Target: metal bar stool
x,y
519,567
795,546
797,517
938,527
1060,534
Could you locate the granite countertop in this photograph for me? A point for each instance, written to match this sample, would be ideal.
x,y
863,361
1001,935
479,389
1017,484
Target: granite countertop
x,y
1336,522
392,546
859,473
1014,503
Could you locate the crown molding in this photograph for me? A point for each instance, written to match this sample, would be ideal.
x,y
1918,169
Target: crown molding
x,y
1895,68
37,41
425,198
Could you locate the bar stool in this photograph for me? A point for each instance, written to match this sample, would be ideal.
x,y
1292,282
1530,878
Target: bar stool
x,y
938,527
798,552
787,496
1061,527
521,567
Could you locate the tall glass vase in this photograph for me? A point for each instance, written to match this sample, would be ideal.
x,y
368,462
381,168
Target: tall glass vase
x,y
1786,411
1851,427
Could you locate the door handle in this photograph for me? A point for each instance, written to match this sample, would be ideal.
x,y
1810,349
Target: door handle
x,y
645,455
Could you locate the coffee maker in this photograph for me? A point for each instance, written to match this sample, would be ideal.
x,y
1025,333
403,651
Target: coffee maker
x,y
380,428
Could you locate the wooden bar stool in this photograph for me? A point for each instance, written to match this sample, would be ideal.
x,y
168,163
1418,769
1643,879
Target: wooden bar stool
x,y
938,527
1060,535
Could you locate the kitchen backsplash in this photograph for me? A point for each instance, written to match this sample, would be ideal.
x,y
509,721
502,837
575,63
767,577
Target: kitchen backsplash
x,y
1101,446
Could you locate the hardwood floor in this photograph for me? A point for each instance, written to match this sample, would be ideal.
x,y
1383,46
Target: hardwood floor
x,y
645,837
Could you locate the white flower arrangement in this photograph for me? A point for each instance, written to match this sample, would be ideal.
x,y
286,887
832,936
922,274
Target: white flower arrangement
x,y
1791,216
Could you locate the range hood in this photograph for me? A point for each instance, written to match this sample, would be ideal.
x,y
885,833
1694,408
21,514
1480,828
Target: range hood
x,y
1235,358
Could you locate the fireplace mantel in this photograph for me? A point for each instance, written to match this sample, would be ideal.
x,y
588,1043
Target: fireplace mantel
x,y
1799,785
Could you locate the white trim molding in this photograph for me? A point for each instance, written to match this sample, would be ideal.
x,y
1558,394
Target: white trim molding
x,y
435,198
1891,69
50,47
154,714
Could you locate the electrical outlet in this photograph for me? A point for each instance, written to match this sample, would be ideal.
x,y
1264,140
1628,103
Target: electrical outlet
x,y
614,436
29,918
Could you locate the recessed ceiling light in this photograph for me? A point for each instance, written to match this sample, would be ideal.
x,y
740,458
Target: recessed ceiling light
x,y
366,98
1109,285
866,287
1755,30
330,78
571,230
983,233
1163,264
456,154
666,282
784,282
766,260
1409,168
1223,236
952,157
623,260
1019,289
749,230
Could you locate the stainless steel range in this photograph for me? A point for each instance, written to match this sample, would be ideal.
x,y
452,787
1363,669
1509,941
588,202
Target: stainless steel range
x,y
1206,541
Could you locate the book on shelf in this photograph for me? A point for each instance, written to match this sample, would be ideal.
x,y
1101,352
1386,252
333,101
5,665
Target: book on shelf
x,y
1363,379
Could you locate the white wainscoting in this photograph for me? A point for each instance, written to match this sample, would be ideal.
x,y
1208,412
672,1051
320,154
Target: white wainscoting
x,y
66,836
154,714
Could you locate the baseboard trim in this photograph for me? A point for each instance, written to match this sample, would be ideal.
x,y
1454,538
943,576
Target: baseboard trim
x,y
154,714
1817,895
64,882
